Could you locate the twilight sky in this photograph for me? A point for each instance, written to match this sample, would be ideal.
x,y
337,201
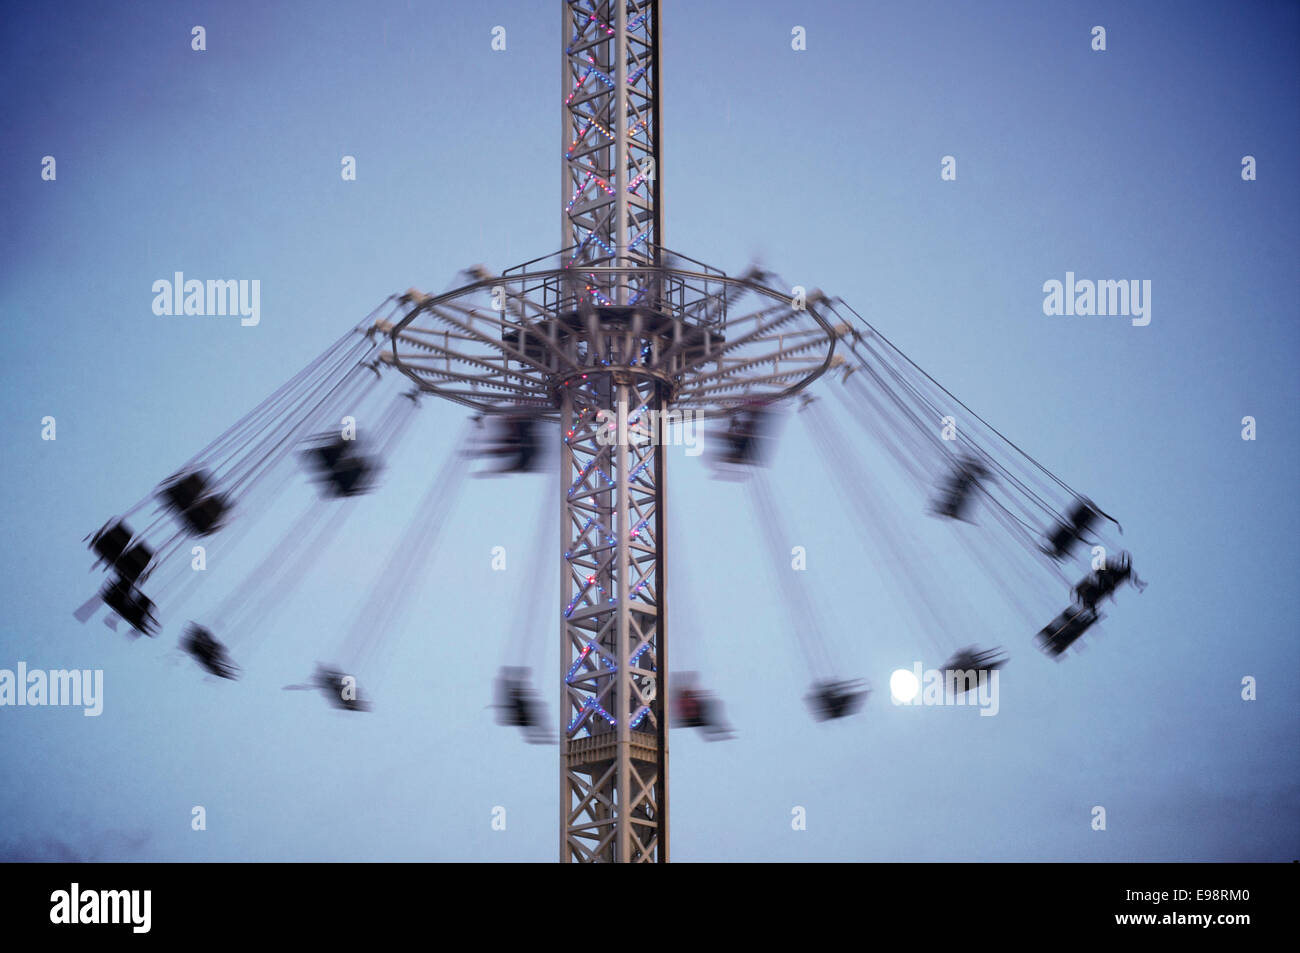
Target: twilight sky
x,y
822,163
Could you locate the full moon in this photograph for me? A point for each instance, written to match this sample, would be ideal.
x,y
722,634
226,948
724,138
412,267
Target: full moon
x,y
903,685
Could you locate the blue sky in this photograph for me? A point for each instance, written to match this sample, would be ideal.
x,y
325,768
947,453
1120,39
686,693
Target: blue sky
x,y
822,163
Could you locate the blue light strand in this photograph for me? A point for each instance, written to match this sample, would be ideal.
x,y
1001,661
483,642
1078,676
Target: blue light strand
x,y
579,250
582,476
588,707
582,82
582,657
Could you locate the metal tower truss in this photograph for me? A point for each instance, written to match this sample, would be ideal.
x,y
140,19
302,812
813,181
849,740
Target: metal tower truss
x,y
611,122
614,755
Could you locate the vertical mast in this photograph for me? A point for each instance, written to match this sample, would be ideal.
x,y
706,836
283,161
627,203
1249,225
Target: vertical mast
x,y
614,713
611,133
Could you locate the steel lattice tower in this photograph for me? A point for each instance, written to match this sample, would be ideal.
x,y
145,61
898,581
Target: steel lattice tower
x,y
613,781
610,337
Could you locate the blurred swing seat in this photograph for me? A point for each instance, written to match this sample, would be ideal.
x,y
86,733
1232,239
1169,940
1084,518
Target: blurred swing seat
x,y
1066,629
836,699
959,488
208,652
112,544
198,506
341,467
135,608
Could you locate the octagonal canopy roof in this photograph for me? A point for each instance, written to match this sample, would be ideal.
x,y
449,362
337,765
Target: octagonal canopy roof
x,y
508,343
